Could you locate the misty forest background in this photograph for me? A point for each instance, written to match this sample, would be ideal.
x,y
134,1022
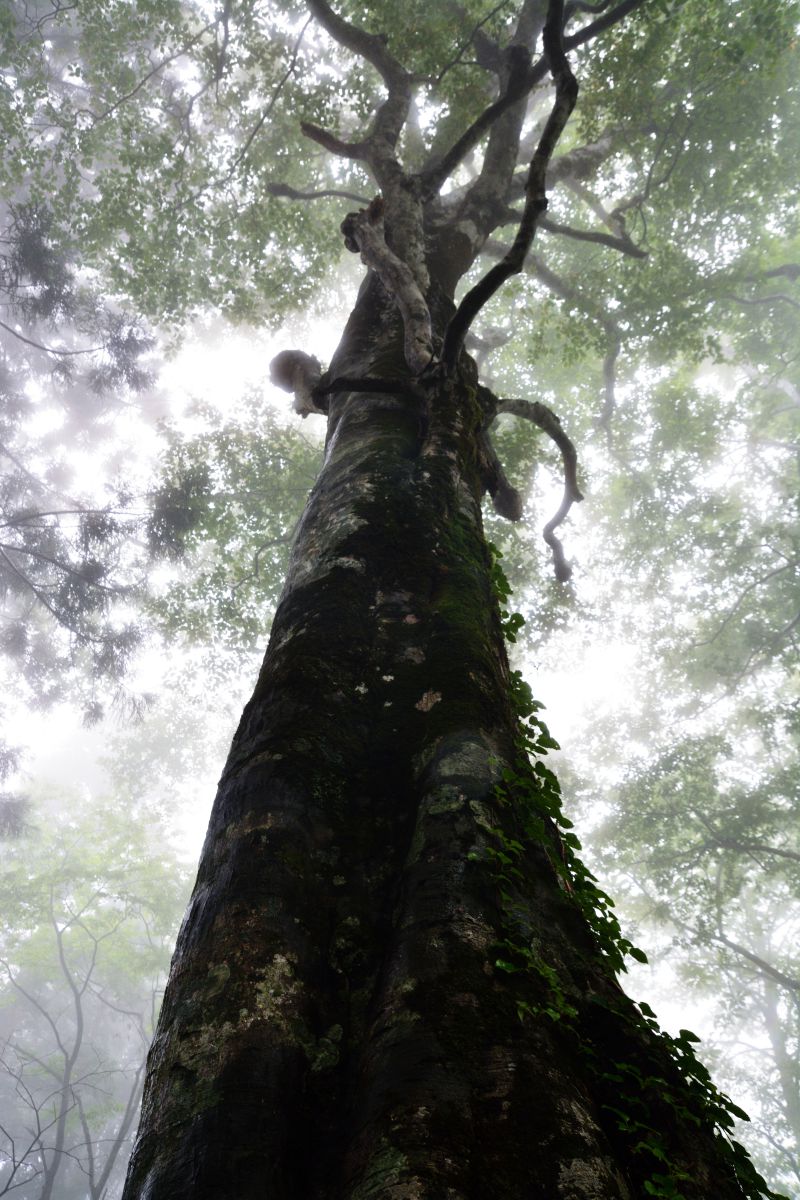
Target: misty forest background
x,y
164,230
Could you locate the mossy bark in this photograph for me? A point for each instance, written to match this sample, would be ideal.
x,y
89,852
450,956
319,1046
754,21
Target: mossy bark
x,y
334,1025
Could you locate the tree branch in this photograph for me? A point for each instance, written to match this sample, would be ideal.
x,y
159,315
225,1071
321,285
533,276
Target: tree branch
x,y
244,149
49,349
775,298
622,245
391,115
790,271
536,198
719,841
291,193
112,108
579,163
330,142
561,288
369,46
546,419
468,41
787,981
605,22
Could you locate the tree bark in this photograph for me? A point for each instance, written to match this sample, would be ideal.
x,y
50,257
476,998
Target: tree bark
x,y
335,1026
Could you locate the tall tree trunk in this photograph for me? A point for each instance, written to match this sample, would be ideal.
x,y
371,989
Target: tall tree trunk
x,y
335,1025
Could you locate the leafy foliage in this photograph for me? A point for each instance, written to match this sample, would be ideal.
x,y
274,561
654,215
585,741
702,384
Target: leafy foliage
x,y
226,508
89,909
154,149
533,791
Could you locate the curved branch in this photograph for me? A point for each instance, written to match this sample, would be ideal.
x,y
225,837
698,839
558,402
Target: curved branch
x,y
369,46
329,141
363,232
49,349
622,244
536,198
775,298
546,419
291,193
391,115
605,22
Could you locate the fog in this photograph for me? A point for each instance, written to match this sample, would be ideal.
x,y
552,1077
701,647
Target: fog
x,y
152,478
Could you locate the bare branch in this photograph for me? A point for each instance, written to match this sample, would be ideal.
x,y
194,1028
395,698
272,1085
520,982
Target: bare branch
x,y
623,245
605,22
477,209
112,108
49,349
291,193
505,147
546,419
370,46
329,141
536,198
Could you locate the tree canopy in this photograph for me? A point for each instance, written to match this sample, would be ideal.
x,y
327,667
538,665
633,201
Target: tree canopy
x,y
163,159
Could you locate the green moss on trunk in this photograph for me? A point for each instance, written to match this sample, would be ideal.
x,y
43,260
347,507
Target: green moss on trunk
x,y
336,991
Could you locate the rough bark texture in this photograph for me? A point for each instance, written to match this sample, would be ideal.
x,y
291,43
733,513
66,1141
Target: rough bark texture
x,y
340,1023
334,1025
